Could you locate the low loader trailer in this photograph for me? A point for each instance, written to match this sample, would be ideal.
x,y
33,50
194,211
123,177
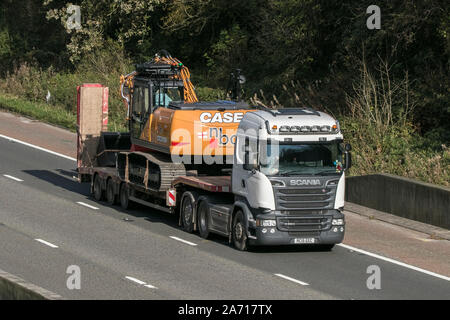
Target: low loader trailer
x,y
257,177
285,185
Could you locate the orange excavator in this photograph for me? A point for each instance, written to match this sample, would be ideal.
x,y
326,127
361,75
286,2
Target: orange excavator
x,y
171,132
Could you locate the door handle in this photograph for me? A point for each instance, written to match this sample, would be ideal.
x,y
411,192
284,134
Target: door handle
x,y
243,183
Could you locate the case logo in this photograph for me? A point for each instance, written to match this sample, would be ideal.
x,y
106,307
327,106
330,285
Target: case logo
x,y
226,117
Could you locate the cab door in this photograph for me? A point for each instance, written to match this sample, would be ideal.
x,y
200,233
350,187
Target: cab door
x,y
247,180
140,117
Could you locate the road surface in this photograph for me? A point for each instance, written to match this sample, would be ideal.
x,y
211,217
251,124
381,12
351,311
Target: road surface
x,y
48,222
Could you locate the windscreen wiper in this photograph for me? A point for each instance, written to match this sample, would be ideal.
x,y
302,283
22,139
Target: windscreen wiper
x,y
287,173
321,173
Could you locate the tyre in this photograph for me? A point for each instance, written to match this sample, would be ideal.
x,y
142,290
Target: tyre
x,y
325,247
202,219
98,191
111,196
124,196
187,211
239,233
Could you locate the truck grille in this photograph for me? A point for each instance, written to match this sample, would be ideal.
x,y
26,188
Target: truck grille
x,y
304,199
304,224
300,234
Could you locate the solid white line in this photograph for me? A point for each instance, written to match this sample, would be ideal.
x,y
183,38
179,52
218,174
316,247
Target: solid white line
x,y
13,178
291,279
47,243
184,241
87,205
37,147
140,282
374,255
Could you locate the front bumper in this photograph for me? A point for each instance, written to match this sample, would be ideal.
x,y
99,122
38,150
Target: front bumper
x,y
274,236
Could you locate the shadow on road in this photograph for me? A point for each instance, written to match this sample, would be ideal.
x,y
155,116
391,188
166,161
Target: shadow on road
x,y
64,179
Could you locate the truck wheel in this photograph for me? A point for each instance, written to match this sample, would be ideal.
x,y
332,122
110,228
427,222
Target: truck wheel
x,y
202,219
187,211
98,192
124,201
239,233
111,197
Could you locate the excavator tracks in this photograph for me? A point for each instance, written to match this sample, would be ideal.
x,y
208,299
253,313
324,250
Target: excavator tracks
x,y
153,171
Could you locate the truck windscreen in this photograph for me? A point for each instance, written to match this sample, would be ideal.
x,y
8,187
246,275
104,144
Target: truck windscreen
x,y
301,159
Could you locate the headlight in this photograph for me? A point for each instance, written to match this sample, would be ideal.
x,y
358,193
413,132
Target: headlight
x,y
277,183
266,223
337,222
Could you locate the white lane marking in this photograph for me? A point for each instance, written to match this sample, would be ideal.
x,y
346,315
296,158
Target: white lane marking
x,y
135,280
291,279
184,241
150,286
47,243
87,205
37,147
13,178
374,255
140,282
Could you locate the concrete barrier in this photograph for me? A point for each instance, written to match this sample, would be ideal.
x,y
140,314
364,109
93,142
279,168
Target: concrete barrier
x,y
15,288
403,197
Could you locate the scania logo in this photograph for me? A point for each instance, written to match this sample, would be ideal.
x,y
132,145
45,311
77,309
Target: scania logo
x,y
305,182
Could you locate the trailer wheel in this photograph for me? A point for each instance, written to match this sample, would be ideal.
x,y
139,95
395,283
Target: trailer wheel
x,y
98,192
124,201
239,233
202,219
187,211
111,197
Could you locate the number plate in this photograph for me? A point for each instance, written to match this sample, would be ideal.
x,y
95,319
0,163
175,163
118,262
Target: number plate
x,y
304,240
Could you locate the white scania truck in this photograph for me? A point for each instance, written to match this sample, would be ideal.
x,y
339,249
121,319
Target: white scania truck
x,y
288,179
285,186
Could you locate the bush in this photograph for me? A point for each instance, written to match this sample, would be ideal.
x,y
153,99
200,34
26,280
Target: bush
x,y
103,66
209,94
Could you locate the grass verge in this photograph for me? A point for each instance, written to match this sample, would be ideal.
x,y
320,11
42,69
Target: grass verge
x,y
40,111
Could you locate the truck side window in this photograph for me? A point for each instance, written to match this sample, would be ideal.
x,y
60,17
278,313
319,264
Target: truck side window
x,y
250,154
246,154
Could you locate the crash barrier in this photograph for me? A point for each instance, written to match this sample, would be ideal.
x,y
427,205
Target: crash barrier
x,y
15,288
400,196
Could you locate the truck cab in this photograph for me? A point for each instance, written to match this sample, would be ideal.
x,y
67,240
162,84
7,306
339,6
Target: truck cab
x,y
288,178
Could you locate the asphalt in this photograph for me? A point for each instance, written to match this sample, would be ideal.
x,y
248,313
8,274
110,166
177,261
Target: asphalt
x,y
109,245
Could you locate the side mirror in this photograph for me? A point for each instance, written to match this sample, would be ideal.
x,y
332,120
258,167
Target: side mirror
x,y
348,147
348,159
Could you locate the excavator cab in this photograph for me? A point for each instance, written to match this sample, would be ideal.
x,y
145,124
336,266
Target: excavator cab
x,y
155,86
166,120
